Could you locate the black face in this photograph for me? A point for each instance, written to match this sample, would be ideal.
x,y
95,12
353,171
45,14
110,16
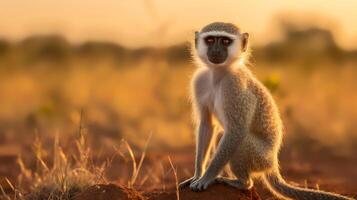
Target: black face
x,y
217,48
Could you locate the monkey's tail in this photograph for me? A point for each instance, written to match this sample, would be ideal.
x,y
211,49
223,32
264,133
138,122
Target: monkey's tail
x,y
279,187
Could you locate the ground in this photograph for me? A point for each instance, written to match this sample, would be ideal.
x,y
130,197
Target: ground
x,y
322,170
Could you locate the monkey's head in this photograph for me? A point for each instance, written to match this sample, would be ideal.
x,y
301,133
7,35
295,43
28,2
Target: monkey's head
x,y
220,44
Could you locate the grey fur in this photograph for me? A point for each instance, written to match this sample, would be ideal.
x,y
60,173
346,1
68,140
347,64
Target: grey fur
x,y
252,126
221,26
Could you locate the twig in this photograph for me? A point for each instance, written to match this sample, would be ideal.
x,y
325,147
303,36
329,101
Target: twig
x,y
176,180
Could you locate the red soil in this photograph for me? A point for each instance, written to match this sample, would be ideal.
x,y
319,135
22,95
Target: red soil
x,y
114,192
108,192
214,192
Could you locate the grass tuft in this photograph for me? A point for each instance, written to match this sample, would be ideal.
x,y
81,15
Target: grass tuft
x,y
66,176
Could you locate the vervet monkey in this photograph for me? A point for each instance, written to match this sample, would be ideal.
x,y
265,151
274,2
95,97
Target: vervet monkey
x,y
225,88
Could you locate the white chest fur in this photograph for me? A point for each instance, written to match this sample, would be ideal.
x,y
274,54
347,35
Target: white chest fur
x,y
212,97
217,109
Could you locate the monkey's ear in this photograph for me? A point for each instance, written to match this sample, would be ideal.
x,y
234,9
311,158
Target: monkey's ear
x,y
244,41
197,34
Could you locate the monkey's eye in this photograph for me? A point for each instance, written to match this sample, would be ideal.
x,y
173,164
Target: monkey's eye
x,y
209,40
227,41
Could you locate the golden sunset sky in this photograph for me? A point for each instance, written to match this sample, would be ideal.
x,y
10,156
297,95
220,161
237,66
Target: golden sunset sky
x,y
162,22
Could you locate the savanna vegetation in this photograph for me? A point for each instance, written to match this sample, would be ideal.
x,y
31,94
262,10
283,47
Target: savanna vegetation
x,y
74,116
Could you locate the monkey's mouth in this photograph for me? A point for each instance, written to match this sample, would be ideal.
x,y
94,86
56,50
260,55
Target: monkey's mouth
x,y
217,59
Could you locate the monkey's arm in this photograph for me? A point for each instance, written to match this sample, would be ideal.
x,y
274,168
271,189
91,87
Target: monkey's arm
x,y
203,138
238,115
204,135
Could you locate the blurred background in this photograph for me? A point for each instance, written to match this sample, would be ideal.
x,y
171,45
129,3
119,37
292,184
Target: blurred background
x,y
126,65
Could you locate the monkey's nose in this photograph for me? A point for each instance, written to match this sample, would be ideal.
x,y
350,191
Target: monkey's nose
x,y
216,58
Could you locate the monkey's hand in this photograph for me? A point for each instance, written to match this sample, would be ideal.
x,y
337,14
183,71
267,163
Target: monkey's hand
x,y
202,183
187,182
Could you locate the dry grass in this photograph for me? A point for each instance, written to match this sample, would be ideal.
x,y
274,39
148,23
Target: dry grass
x,y
136,167
17,194
68,175
176,179
65,177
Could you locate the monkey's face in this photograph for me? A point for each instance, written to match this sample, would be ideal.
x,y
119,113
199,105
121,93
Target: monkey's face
x,y
219,49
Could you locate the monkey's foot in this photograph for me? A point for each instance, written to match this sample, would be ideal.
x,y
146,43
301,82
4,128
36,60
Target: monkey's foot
x,y
237,183
201,184
187,182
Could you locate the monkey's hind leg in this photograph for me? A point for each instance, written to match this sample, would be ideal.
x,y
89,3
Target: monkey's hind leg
x,y
242,180
246,160
237,183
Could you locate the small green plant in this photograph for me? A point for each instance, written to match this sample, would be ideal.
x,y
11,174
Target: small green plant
x,y
272,82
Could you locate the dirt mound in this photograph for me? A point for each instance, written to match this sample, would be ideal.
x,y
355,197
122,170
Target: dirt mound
x,y
215,192
108,192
